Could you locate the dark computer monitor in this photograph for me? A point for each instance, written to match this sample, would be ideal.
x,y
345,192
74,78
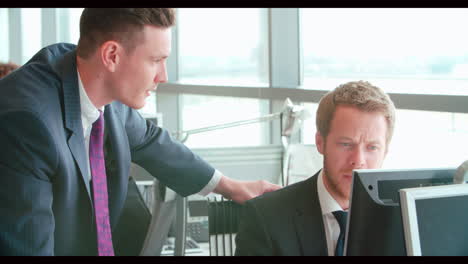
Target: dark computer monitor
x,y
374,226
434,220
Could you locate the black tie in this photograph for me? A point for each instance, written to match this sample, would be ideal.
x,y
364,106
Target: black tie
x,y
341,218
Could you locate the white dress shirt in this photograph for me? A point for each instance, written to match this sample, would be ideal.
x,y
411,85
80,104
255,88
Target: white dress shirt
x,y
328,205
89,114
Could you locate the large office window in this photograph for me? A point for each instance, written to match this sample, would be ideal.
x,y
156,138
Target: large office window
x,y
4,39
420,139
31,31
223,46
228,47
206,111
70,17
250,59
411,50
417,51
428,139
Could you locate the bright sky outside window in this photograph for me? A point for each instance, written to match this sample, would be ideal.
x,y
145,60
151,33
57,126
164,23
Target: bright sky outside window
x,y
223,46
31,32
410,50
4,39
203,111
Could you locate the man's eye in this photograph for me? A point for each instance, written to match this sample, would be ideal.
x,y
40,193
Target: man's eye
x,y
373,147
344,144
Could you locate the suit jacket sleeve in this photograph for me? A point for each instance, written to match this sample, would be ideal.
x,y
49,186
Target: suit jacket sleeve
x,y
27,163
253,238
168,160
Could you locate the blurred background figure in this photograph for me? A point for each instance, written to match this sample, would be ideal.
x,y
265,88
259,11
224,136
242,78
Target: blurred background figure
x,y
6,68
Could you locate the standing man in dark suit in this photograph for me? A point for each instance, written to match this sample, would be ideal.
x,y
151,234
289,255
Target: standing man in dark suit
x,y
69,131
354,127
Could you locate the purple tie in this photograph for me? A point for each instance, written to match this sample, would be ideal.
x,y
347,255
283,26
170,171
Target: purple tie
x,y
98,172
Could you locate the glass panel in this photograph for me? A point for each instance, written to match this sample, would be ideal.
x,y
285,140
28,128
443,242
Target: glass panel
x,y
150,106
435,140
223,46
202,111
31,32
414,50
308,126
4,39
74,24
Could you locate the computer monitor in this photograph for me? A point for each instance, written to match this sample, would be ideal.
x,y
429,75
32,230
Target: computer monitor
x,y
374,226
435,219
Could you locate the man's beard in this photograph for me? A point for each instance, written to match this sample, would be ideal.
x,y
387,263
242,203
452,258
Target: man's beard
x,y
333,187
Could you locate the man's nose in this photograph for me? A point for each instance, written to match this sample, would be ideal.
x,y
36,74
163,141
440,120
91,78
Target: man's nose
x,y
161,76
358,158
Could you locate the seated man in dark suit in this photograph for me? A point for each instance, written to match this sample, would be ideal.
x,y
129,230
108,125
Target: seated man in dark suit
x,y
69,132
354,127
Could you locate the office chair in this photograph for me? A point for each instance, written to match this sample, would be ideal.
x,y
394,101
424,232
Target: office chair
x,y
133,224
300,162
163,213
223,220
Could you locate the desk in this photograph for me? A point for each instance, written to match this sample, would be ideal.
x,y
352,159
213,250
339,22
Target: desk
x,y
204,250
205,246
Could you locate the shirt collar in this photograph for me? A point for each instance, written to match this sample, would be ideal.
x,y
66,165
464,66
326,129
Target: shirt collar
x,y
89,112
327,202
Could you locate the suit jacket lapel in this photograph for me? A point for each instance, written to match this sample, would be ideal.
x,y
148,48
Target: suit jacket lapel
x,y
308,220
118,159
72,114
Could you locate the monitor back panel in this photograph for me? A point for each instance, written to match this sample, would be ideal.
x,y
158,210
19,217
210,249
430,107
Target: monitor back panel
x,y
374,225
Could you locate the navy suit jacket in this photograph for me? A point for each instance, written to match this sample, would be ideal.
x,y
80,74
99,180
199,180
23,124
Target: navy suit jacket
x,y
286,222
45,200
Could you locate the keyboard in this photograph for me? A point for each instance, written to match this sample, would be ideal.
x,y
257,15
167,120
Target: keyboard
x,y
191,246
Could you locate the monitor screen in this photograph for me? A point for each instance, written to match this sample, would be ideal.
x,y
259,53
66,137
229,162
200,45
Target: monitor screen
x,y
374,226
434,220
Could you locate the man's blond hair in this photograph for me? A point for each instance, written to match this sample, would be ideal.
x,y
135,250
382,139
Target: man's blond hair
x,y
362,95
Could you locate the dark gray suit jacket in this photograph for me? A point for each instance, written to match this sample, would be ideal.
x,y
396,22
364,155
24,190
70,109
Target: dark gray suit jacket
x,y
286,222
45,201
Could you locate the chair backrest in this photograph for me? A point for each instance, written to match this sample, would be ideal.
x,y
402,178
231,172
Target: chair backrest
x,y
223,220
133,224
163,214
300,162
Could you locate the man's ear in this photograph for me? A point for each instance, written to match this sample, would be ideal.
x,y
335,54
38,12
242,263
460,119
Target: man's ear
x,y
319,142
110,54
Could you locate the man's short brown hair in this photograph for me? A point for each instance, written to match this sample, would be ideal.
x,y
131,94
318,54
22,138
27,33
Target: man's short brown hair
x,y
98,25
362,95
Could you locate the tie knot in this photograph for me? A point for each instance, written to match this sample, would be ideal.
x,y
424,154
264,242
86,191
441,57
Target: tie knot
x,y
341,218
100,116
98,124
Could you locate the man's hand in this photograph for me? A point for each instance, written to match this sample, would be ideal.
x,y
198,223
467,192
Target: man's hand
x,y
6,68
241,191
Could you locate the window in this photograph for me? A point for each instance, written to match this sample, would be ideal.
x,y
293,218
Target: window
x,y
417,51
149,109
31,31
433,141
413,50
203,111
4,39
428,139
70,17
308,126
224,46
